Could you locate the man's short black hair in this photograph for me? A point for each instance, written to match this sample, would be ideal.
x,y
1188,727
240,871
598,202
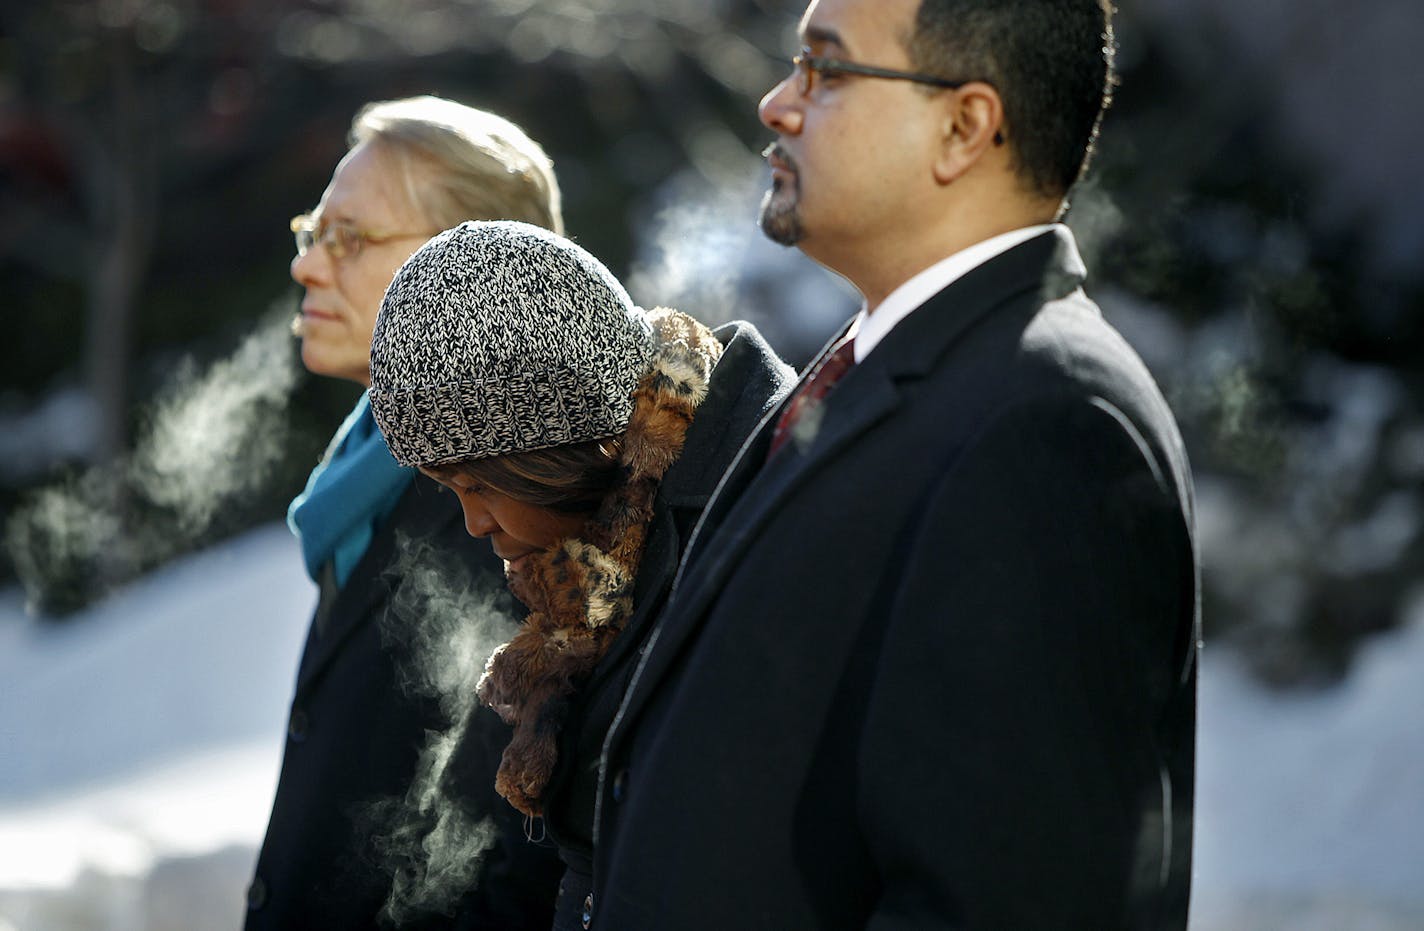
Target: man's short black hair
x,y
1051,62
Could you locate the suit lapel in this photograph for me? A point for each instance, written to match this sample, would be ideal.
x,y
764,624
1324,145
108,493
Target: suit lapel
x,y
751,493
743,515
746,464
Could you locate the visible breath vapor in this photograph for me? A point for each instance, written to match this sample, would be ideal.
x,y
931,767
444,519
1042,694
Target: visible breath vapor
x,y
446,619
701,252
443,625
431,846
1094,218
211,442
693,255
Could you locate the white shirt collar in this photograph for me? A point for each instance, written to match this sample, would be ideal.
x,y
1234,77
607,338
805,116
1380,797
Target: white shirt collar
x,y
870,328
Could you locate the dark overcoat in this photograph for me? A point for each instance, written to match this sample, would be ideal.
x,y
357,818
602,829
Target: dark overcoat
x,y
935,667
747,382
354,736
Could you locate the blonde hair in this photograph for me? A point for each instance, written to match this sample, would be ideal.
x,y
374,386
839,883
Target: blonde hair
x,y
459,163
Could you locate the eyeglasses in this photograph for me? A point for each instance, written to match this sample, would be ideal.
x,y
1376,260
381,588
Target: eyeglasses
x,y
340,240
805,67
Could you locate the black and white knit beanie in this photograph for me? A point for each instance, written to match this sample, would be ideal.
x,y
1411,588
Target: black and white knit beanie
x,y
501,337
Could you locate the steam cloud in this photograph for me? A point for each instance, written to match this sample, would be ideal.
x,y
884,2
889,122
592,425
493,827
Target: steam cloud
x,y
1095,218
211,442
694,253
700,251
444,624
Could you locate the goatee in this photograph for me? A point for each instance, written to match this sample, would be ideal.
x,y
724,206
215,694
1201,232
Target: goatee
x,y
780,221
780,218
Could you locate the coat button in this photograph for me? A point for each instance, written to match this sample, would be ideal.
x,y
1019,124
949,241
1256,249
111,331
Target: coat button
x,y
588,910
297,726
256,894
620,785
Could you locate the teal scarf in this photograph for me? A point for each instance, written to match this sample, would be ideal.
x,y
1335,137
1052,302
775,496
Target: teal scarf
x,y
350,492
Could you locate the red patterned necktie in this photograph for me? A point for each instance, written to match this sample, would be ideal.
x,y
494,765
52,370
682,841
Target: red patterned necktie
x,y
834,365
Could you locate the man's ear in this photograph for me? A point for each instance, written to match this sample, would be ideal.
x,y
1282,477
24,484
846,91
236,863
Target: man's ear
x,y
972,123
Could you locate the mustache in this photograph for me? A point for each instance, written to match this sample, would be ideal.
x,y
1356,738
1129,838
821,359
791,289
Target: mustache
x,y
778,151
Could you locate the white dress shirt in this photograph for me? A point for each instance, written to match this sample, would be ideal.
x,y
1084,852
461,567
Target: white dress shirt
x,y
870,328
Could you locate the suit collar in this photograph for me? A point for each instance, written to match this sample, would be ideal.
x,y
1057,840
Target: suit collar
x,y
1048,263
913,293
748,381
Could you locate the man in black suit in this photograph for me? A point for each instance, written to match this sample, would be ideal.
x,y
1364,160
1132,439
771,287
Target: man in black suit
x,y
359,837
930,660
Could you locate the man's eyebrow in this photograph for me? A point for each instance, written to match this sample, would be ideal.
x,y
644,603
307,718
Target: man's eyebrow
x,y
822,35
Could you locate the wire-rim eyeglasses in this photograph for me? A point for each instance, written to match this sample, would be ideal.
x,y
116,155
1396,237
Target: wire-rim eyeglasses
x,y
805,66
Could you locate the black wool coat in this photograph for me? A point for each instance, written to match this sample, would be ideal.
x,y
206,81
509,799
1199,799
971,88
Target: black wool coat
x,y
934,668
353,740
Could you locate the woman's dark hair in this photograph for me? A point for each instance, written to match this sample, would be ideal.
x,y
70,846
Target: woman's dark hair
x,y
1051,62
572,479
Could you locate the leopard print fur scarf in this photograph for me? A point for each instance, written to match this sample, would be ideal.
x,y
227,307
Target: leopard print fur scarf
x,y
580,592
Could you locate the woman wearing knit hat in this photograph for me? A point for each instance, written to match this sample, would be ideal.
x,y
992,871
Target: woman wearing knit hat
x,y
583,436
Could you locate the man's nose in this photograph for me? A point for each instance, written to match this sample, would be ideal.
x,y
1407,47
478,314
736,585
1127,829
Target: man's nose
x,y
780,109
311,267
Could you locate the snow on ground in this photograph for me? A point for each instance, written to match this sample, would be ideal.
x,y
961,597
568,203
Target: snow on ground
x,y
139,746
1311,806
140,740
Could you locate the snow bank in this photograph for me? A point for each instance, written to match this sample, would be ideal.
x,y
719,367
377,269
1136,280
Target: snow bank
x,y
1310,811
140,740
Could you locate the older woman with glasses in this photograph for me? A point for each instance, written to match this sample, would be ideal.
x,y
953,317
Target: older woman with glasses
x,y
583,437
415,167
